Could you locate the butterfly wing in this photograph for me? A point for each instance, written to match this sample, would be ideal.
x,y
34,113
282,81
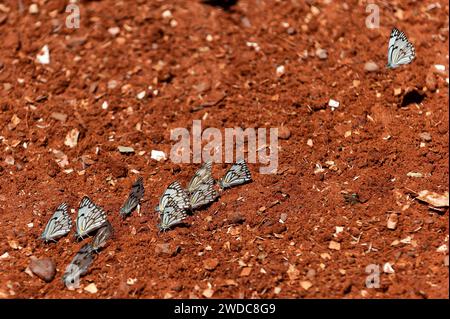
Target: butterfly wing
x,y
136,194
79,265
171,215
238,174
102,236
201,176
177,194
400,50
59,225
203,195
90,217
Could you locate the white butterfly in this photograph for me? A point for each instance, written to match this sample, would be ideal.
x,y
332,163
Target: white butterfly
x,y
175,192
59,225
201,176
90,217
238,174
203,195
102,236
136,194
400,50
78,266
171,215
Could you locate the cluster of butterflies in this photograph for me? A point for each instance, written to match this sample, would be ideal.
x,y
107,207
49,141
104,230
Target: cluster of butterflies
x,y
174,206
176,202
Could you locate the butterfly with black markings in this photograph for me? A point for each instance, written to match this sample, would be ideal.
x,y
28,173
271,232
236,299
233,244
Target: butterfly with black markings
x,y
59,225
238,174
90,217
177,194
134,198
78,266
204,194
102,236
201,176
400,50
171,215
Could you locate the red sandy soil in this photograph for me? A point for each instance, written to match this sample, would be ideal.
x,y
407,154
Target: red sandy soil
x,y
236,247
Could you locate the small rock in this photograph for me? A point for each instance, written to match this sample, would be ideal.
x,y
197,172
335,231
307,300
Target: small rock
x,y
439,67
131,281
9,160
140,95
397,91
91,288
392,221
33,9
167,14
334,245
310,142
170,250
72,138
43,57
44,268
442,249
158,155
425,136
114,31
371,66
210,263
208,292
112,84
4,256
284,133
125,149
246,271
276,290
105,105
414,174
236,218
305,284
387,268
59,116
321,54
280,70
333,104
283,217
431,82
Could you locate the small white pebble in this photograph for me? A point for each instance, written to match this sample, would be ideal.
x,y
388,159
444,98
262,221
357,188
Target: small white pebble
x,y
114,31
209,38
309,142
280,70
333,104
173,23
43,57
33,9
105,105
166,14
439,67
158,155
141,95
30,225
387,268
4,256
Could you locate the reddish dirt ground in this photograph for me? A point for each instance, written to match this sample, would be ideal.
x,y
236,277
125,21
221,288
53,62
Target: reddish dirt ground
x,y
200,64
